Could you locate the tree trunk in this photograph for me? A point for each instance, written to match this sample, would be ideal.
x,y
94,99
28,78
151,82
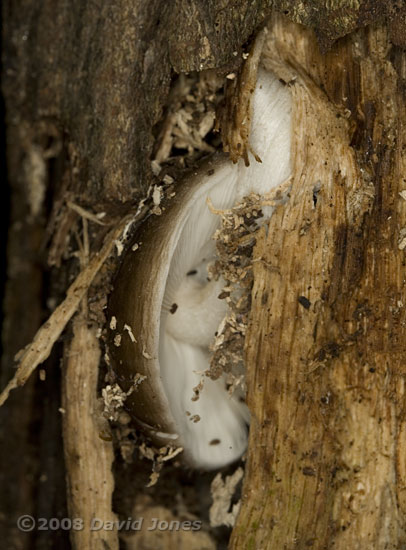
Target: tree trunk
x,y
326,345
84,88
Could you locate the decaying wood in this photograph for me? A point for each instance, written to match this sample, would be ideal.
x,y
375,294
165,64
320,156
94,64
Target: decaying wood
x,y
235,120
88,445
84,87
222,512
326,344
39,349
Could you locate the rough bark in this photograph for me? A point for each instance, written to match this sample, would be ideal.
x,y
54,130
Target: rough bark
x,y
84,86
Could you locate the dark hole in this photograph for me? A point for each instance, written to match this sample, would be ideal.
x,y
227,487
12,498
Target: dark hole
x,y
214,442
316,190
192,272
304,302
174,307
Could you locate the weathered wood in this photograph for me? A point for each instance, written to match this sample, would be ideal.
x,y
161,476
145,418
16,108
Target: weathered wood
x,y
88,444
326,345
84,86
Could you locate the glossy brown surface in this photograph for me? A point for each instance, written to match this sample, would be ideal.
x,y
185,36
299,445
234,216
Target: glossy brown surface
x,y
136,301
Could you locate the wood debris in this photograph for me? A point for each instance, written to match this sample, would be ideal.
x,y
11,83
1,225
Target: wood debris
x,y
189,120
114,398
130,333
222,511
39,349
158,457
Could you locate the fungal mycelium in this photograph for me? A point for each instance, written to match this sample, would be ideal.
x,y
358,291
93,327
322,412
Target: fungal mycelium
x,y
165,303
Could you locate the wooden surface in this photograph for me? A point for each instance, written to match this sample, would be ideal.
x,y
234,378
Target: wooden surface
x,y
84,87
88,445
326,344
